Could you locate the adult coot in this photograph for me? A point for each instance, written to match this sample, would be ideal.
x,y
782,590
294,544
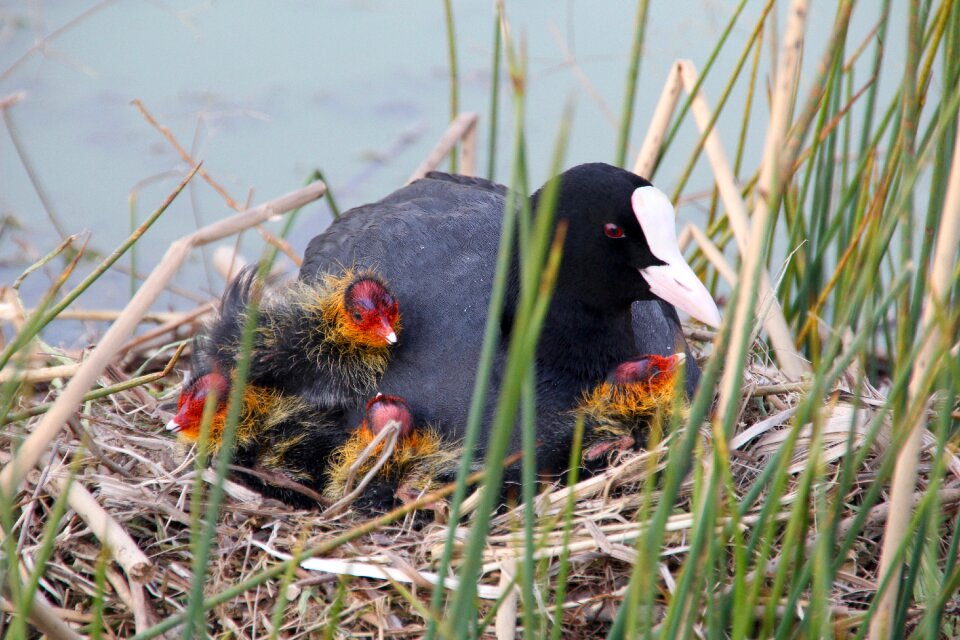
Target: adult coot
x,y
436,240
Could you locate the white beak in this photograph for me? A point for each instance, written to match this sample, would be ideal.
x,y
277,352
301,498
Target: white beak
x,y
173,426
391,337
674,282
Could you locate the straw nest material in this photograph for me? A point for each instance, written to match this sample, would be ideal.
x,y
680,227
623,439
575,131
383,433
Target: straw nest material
x,y
145,481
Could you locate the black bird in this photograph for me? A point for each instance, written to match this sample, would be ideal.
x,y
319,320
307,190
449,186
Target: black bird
x,y
436,240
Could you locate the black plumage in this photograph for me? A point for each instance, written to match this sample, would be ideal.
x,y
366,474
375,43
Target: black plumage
x,y
436,241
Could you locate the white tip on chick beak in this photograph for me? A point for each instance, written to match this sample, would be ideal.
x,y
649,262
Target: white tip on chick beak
x,y
391,337
173,426
674,282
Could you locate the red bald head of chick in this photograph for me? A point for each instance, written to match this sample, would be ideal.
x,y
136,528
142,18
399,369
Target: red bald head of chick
x,y
372,314
652,370
212,387
382,410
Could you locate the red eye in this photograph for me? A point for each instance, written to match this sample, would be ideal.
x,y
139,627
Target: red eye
x,y
612,230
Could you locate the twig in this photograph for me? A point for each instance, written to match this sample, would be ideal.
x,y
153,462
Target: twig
x,y
94,315
42,43
100,393
270,238
177,321
280,480
33,175
184,155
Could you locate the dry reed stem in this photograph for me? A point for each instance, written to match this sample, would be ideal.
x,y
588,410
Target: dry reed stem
x,y
7,312
176,321
51,424
904,480
391,434
43,374
46,618
505,624
713,254
114,537
468,152
666,105
752,259
775,323
269,237
458,130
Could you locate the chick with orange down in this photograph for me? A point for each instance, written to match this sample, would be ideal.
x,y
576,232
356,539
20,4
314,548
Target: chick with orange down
x,y
317,350
619,412
280,439
419,462
328,341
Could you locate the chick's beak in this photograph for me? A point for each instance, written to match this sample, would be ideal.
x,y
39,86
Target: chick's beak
x,y
387,331
173,426
675,282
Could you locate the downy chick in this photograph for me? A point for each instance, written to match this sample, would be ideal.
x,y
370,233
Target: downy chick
x,y
637,396
419,463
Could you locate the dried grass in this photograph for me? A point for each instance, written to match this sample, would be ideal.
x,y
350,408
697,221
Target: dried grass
x,y
143,479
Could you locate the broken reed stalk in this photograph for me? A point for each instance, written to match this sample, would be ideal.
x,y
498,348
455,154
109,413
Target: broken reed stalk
x,y
33,447
753,259
683,75
659,122
97,315
113,537
935,346
461,128
775,323
95,394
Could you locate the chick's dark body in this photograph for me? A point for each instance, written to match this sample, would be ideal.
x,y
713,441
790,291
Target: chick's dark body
x,y
435,242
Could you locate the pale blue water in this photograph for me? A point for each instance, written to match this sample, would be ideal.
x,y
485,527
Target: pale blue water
x,y
264,92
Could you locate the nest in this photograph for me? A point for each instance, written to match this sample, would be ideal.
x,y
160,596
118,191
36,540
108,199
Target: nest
x,y
144,481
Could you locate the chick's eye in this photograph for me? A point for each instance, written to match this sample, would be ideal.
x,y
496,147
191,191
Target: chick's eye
x,y
358,316
612,230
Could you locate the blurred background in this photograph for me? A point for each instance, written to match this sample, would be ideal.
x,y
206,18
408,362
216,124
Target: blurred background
x,y
265,93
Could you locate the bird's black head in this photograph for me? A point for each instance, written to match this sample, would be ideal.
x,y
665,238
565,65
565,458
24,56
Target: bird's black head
x,y
621,243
